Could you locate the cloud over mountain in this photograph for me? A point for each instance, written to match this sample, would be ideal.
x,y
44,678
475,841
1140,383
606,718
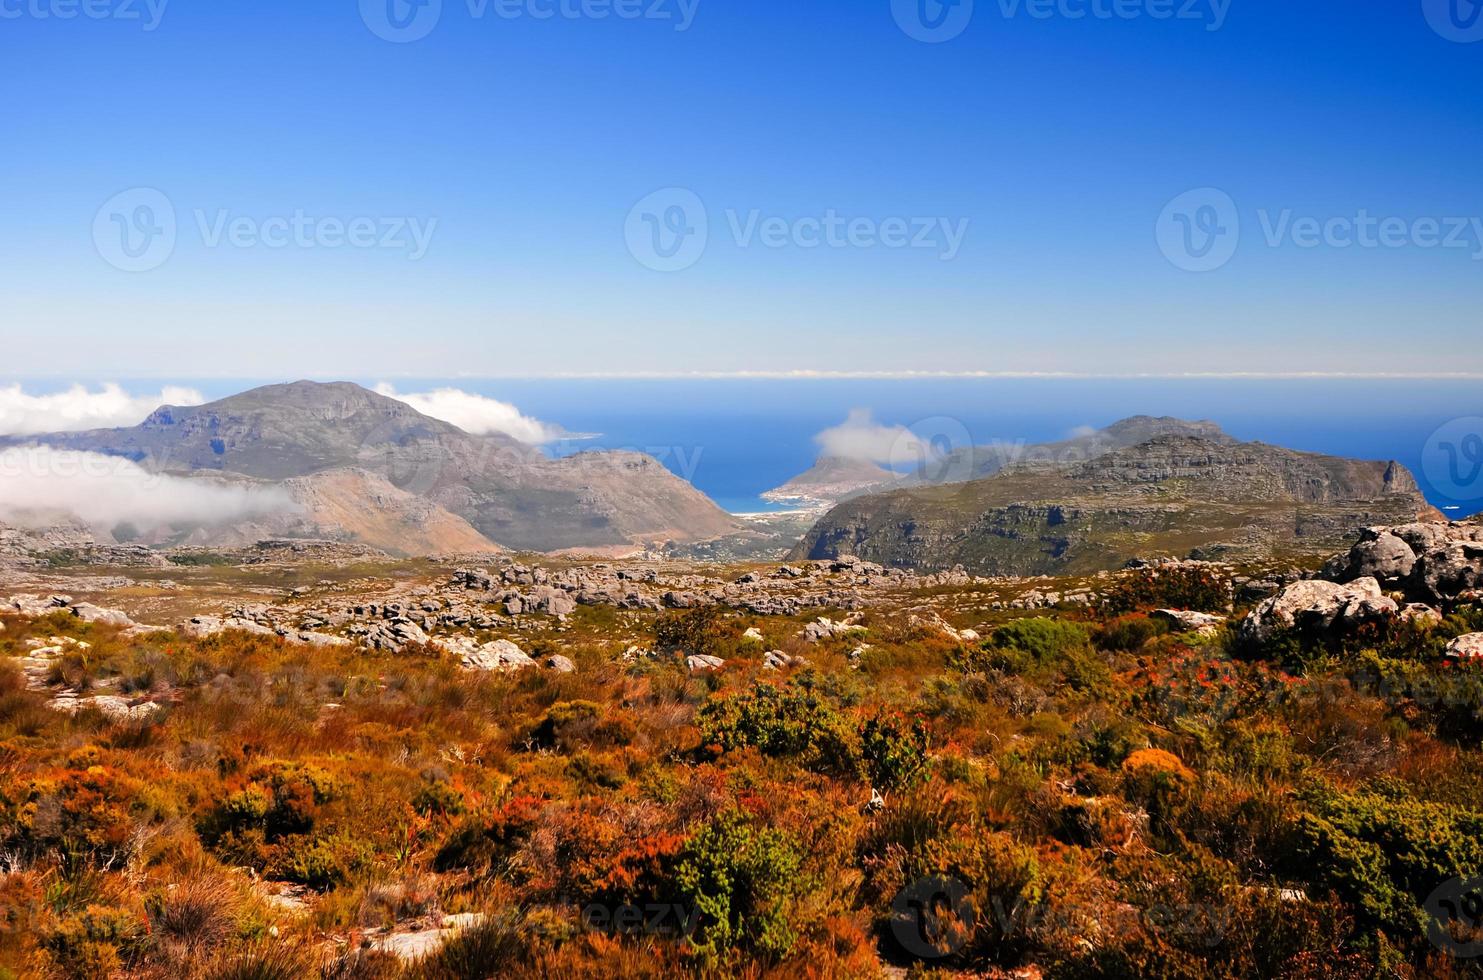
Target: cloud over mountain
x,y
106,490
478,415
78,408
860,437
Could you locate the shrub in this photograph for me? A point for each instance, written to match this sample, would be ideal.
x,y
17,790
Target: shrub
x,y
99,942
89,816
280,799
1127,634
739,879
487,843
268,961
794,719
704,631
1384,852
1197,587
495,947
1045,640
196,914
1049,651
322,862
895,752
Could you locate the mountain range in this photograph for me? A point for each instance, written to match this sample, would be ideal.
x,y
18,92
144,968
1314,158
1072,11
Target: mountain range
x,y
353,465
367,467
1175,494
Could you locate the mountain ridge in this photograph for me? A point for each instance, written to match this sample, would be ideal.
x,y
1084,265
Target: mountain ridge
x,y
1173,495
511,494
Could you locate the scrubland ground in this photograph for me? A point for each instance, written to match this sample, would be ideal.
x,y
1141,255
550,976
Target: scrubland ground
x,y
1075,791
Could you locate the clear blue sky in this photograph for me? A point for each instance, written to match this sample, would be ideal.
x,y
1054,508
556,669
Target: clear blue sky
x,y
1059,141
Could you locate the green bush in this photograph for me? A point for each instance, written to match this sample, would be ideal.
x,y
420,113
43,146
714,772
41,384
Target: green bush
x,y
1384,851
739,881
895,752
795,719
1050,652
1045,640
699,632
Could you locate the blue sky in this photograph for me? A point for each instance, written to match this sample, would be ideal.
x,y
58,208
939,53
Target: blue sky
x,y
518,148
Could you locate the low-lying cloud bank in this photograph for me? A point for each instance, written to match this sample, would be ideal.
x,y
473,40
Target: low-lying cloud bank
x,y
479,415
860,437
77,408
38,482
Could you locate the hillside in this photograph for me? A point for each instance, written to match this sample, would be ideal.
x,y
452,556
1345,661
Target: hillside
x,y
510,493
832,479
1173,495
976,462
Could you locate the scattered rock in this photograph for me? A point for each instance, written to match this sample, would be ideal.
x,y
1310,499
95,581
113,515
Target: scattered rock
x,y
700,663
825,628
1421,615
410,944
778,660
1319,606
1468,647
1188,621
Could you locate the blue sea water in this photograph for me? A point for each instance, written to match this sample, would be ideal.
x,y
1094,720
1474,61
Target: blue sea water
x,y
735,439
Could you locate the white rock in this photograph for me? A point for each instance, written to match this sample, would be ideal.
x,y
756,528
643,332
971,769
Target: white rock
x,y
703,662
1468,647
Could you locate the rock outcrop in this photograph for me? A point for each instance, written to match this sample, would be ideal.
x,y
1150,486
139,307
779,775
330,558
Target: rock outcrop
x,y
1318,607
1432,563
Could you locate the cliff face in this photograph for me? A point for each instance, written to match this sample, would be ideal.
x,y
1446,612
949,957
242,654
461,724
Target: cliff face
x,y
1174,495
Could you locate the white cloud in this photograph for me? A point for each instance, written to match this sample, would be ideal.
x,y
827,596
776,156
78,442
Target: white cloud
x,y
1082,431
77,408
478,415
104,491
861,437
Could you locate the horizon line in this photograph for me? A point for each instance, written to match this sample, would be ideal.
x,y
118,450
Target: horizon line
x,y
796,375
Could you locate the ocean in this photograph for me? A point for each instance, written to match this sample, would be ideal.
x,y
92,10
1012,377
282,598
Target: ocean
x,y
736,438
